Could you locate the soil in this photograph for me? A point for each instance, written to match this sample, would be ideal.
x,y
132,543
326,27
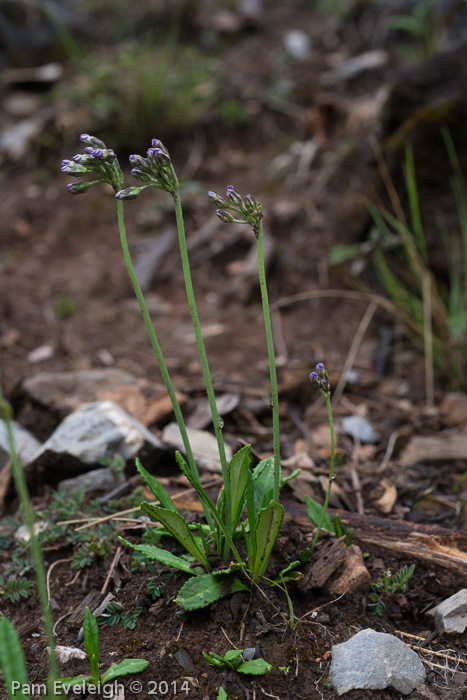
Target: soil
x,y
54,246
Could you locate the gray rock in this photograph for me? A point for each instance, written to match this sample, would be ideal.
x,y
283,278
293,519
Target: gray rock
x,y
451,615
66,391
26,444
203,445
95,430
185,660
95,480
360,429
374,660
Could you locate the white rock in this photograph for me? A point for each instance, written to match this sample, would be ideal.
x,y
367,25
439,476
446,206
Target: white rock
x,y
203,446
298,44
374,660
451,615
360,429
26,444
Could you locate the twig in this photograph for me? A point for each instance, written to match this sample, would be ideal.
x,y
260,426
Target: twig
x,y
52,566
111,570
353,352
227,638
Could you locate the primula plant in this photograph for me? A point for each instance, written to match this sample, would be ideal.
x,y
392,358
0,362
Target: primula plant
x,y
248,506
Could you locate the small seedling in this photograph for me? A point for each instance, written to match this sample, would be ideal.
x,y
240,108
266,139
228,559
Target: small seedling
x,y
315,513
115,612
390,585
14,589
234,661
91,640
154,589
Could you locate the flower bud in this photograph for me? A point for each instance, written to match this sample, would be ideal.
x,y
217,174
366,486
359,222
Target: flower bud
x,y
225,216
250,202
92,141
73,168
155,143
140,175
78,187
216,198
233,196
129,193
320,367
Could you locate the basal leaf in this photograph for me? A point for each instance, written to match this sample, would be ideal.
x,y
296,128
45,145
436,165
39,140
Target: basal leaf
x,y
12,662
163,556
158,490
91,640
315,511
124,668
200,591
267,529
238,477
257,667
177,526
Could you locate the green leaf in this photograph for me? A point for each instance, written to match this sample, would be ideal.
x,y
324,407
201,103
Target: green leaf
x,y
238,477
91,640
214,659
124,668
158,490
200,591
315,511
263,483
267,529
233,656
222,694
69,681
257,667
176,525
162,556
12,660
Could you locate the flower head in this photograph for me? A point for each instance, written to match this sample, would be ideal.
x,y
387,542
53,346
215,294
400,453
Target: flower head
x,y
98,160
320,379
156,169
246,210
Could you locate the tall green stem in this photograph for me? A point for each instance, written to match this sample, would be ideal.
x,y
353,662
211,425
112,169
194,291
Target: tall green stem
x,y
202,356
155,344
28,514
272,363
331,473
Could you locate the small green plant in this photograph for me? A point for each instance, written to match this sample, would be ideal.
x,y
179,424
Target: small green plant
x,y
421,25
315,513
115,612
254,491
91,640
234,661
65,307
155,588
389,585
14,589
116,465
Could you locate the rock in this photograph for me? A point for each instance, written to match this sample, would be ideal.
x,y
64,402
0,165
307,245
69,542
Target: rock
x,y
40,354
360,429
297,44
454,408
185,660
203,445
374,660
95,480
451,615
66,391
95,430
26,444
352,575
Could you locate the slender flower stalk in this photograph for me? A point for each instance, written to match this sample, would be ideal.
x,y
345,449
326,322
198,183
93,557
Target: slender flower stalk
x,y
6,412
249,211
320,380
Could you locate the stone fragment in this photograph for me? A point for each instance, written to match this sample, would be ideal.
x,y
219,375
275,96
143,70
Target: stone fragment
x,y
203,445
454,408
95,480
41,354
26,444
185,660
95,430
360,429
352,575
66,391
375,660
451,615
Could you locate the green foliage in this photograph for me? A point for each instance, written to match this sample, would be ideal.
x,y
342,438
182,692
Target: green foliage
x,y
12,661
91,640
15,589
115,612
446,334
65,307
315,513
233,661
390,585
116,464
154,588
423,27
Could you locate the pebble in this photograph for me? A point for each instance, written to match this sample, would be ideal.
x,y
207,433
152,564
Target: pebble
x,y
360,429
374,661
451,615
203,445
26,444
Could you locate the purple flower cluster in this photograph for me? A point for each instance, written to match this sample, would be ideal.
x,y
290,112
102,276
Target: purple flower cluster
x,y
320,379
246,208
156,170
97,160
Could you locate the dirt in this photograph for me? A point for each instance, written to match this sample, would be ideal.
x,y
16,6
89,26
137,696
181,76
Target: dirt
x,y
54,246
